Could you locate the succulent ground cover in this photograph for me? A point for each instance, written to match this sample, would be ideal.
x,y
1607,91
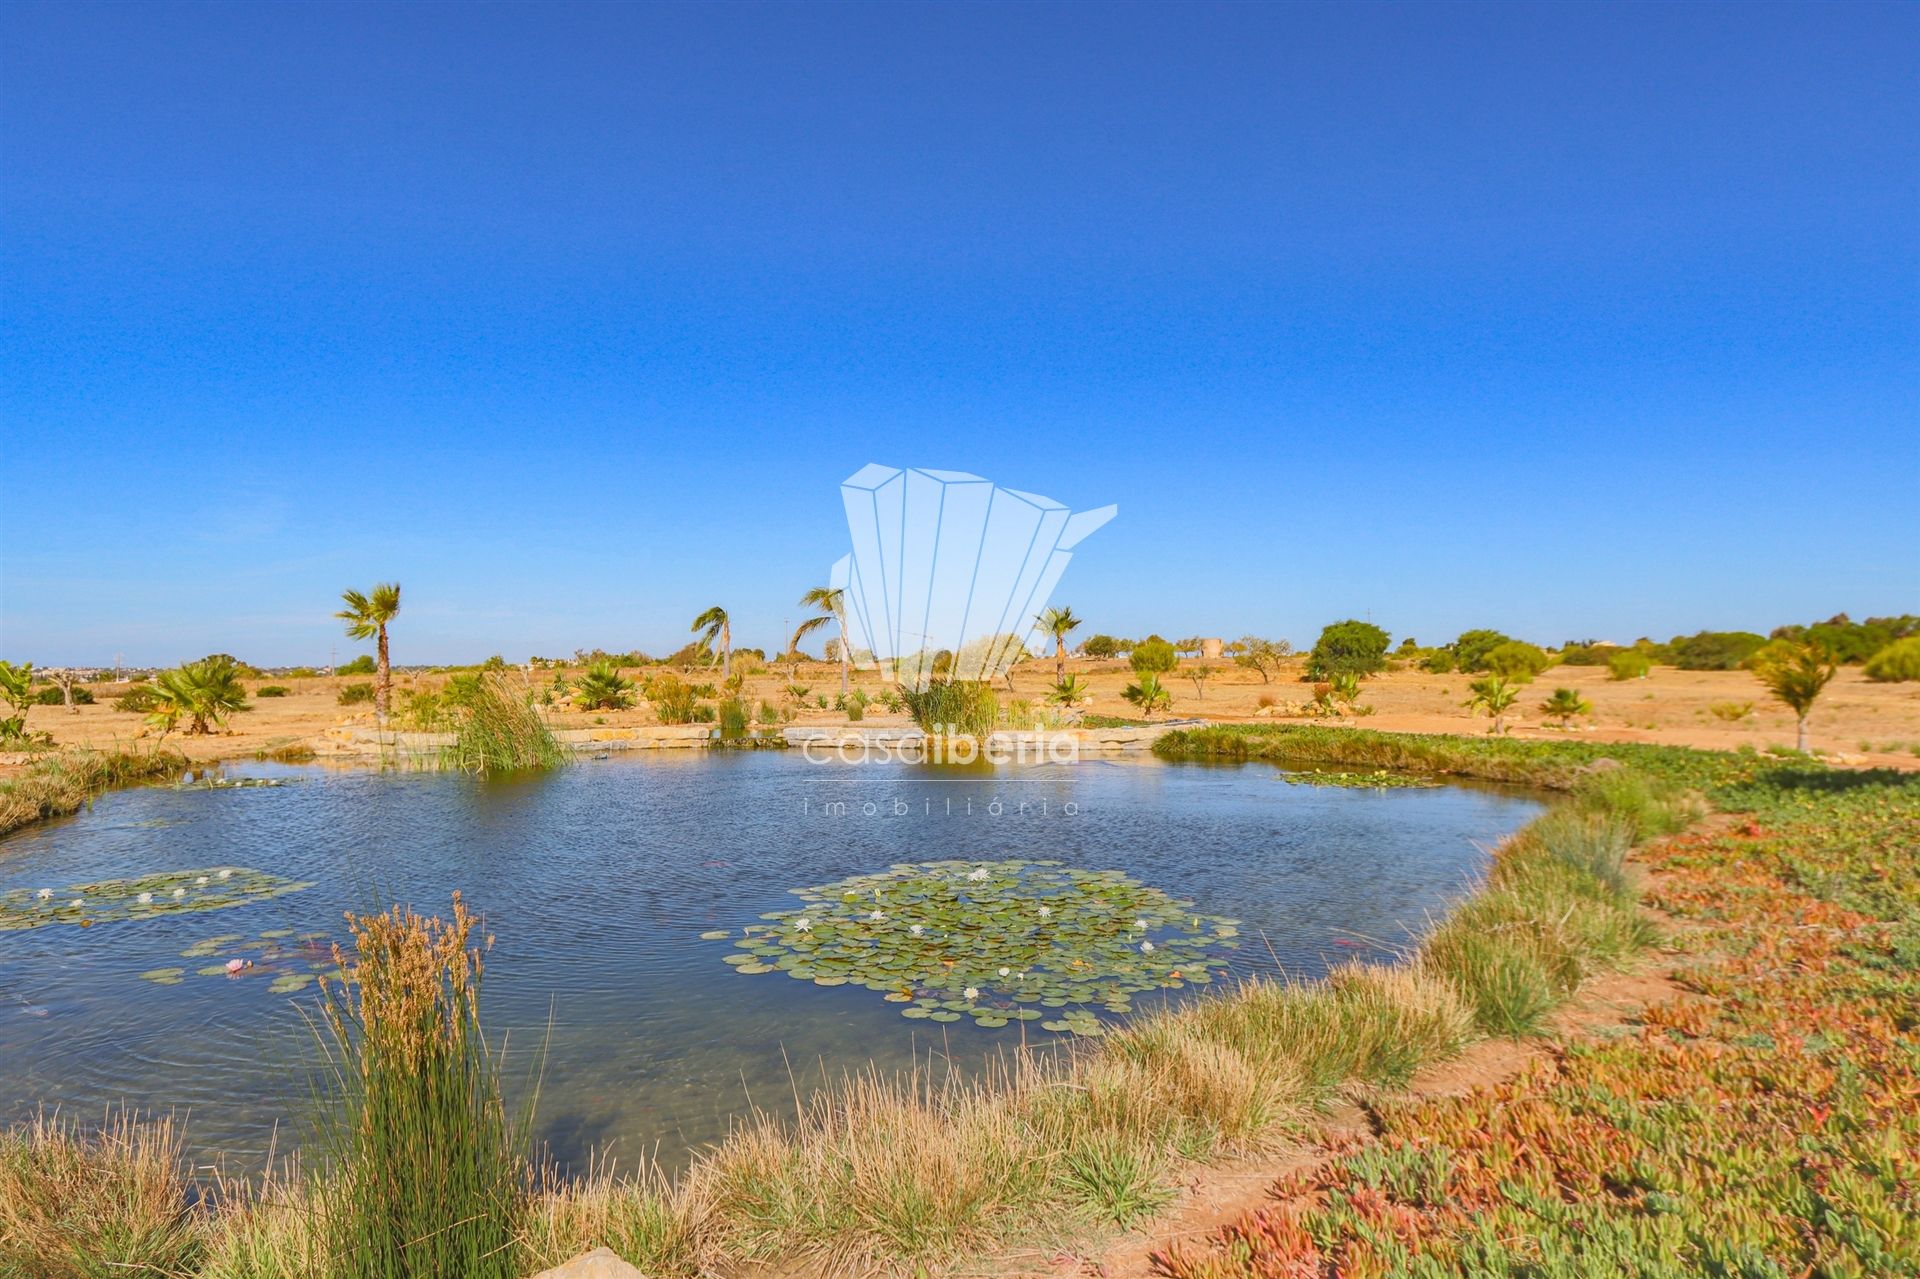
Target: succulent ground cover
x,y
997,941
156,896
1768,1126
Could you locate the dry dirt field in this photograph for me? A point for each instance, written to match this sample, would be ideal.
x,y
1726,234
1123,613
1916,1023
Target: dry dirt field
x,y
1856,722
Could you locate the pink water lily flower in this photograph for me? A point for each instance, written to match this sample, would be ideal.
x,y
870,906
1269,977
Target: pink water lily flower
x,y
236,965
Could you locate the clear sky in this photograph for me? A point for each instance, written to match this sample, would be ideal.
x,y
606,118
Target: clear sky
x,y
1570,320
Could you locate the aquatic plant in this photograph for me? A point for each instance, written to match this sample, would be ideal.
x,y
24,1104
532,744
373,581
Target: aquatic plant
x,y
995,941
429,1170
953,708
499,730
1378,779
290,962
62,782
144,897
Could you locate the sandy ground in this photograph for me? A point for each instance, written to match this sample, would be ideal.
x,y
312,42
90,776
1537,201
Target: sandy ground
x,y
1856,722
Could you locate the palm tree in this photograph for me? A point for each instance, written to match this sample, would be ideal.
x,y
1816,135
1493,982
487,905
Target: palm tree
x,y
1565,704
1057,622
830,600
1494,695
204,693
1795,674
366,617
603,688
1148,694
1071,692
713,624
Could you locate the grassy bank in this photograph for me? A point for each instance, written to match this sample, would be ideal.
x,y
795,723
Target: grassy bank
x,y
912,1174
63,782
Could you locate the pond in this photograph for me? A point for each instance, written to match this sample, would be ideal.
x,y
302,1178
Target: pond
x,y
627,898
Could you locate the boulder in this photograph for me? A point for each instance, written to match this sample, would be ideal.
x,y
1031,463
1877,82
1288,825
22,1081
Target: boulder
x,y
601,1263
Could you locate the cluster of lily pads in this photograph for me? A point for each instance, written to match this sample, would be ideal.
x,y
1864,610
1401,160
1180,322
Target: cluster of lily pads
x,y
1378,779
293,961
996,941
145,897
220,782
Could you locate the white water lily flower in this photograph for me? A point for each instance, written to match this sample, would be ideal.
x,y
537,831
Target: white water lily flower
x,y
145,899
179,892
1140,924
76,903
44,894
1005,971
877,916
977,874
803,924
226,874
1146,948
202,881
916,930
1045,911
970,993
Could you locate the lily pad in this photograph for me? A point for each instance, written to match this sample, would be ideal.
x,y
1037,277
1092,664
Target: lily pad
x,y
164,976
113,900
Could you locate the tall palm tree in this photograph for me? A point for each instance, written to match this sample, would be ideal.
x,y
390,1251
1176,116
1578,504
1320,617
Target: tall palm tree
x,y
830,600
366,617
714,624
1057,622
1796,674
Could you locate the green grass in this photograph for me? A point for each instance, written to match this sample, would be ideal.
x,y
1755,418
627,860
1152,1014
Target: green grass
x,y
63,782
500,731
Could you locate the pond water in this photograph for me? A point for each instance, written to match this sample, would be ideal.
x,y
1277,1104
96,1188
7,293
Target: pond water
x,y
597,883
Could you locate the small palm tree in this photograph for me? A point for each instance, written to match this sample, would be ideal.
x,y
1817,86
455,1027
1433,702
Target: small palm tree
x,y
1149,694
714,625
203,693
366,617
1796,674
1058,622
1071,692
1565,704
603,688
829,600
1494,695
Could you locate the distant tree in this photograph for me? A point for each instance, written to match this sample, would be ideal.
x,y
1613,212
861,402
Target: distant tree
x,y
1152,656
1471,649
1148,694
1714,650
1518,660
831,603
714,625
1629,663
1347,648
603,688
361,665
1565,704
1200,675
1102,646
1897,662
1059,622
1263,655
203,693
66,679
1796,674
1495,696
366,617
1191,645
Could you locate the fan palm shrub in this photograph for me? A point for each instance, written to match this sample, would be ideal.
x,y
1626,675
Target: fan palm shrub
x,y
1059,622
1565,704
603,688
1149,694
1071,692
366,617
202,693
1796,674
1494,695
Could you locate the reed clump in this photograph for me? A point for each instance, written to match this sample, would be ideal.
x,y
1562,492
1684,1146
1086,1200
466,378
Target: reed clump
x,y
66,781
428,1172
953,708
498,729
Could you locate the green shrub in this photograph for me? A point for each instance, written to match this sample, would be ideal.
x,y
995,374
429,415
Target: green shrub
x,y
1438,662
1714,650
673,700
603,688
1471,649
856,706
1586,653
272,690
1103,646
958,708
1152,657
1565,704
1629,663
1517,660
733,718
1851,641
1897,663
361,665
52,696
1148,694
355,694
497,729
139,700
1347,648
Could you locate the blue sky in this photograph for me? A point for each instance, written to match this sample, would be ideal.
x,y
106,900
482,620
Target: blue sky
x,y
1570,320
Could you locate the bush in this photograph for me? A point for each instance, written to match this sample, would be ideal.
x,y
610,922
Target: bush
x,y
361,665
1897,663
1471,649
603,688
272,690
1851,641
498,730
1587,653
1629,663
1517,660
1347,648
672,698
733,718
856,706
52,696
960,708
1438,662
1152,657
355,694
1715,650
140,699
1103,646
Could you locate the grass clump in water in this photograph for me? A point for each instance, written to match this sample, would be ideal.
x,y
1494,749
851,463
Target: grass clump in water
x,y
953,708
498,730
429,1171
64,782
